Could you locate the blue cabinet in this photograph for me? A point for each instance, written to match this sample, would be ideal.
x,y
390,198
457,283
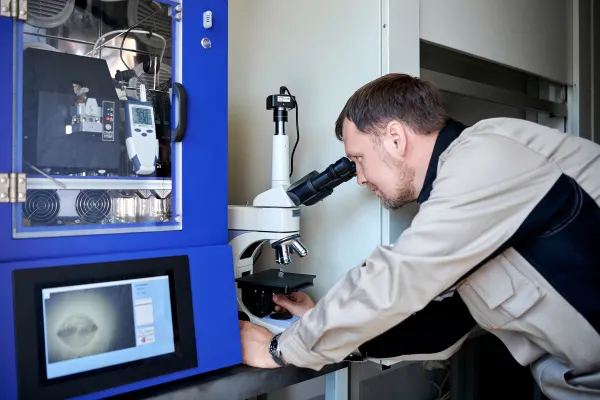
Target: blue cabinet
x,y
114,150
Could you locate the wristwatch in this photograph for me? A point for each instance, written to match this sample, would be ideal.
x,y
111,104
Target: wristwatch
x,y
274,350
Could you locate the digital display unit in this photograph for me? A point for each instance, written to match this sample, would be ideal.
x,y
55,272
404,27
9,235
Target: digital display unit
x,y
88,327
142,116
84,328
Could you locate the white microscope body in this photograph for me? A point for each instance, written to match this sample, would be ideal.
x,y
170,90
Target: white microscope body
x,y
274,217
250,227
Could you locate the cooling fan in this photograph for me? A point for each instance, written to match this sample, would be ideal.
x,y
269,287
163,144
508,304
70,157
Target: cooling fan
x,y
41,207
49,14
67,207
93,206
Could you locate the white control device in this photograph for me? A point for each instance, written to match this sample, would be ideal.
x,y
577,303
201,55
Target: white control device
x,y
141,141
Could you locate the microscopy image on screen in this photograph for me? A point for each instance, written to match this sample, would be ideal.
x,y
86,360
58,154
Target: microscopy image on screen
x,y
82,323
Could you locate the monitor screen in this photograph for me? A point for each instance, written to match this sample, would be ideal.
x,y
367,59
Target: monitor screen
x,y
88,327
142,116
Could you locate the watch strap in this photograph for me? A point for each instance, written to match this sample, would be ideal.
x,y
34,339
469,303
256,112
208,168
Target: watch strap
x,y
274,350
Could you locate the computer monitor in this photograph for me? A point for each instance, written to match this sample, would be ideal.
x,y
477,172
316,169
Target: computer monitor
x,y
88,327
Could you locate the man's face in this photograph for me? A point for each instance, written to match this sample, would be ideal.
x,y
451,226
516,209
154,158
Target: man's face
x,y
380,163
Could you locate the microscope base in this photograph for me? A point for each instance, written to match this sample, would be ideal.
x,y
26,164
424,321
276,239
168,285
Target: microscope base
x,y
274,325
255,293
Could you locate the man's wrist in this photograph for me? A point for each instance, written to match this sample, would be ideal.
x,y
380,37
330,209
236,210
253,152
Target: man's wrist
x,y
275,350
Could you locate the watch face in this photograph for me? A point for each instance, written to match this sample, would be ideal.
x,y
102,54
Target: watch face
x,y
274,345
274,350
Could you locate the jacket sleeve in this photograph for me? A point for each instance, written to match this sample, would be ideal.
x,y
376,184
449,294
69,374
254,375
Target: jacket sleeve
x,y
485,188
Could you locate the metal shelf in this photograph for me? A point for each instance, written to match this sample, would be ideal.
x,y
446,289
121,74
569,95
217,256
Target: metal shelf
x,y
98,183
493,94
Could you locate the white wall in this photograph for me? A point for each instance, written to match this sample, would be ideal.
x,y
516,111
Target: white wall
x,y
532,35
322,51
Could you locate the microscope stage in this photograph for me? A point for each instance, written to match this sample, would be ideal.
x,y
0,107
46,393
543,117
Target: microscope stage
x,y
270,281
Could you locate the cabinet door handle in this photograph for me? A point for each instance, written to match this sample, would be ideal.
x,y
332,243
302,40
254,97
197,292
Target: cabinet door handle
x,y
179,132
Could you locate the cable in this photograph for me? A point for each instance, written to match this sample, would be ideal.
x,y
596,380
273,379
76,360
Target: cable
x,y
135,25
297,132
120,32
97,45
446,395
440,388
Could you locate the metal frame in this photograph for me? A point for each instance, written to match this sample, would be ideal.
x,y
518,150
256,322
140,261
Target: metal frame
x,y
595,106
463,374
14,9
243,382
337,385
354,383
493,94
579,97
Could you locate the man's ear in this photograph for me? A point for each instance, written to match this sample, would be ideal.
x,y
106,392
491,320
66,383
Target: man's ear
x,y
396,138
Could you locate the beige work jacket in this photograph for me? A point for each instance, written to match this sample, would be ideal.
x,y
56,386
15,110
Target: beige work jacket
x,y
510,219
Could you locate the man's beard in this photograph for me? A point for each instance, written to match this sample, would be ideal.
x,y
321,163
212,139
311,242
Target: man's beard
x,y
404,193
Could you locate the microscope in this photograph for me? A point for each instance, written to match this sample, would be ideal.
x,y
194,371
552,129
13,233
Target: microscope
x,y
274,219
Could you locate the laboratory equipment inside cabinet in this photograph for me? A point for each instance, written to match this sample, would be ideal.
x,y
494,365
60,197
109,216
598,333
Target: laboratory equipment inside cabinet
x,y
97,90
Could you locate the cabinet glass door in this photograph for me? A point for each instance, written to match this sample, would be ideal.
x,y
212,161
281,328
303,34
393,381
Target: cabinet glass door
x,y
94,108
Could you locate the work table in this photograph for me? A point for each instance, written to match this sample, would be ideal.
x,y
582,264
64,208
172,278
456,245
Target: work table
x,y
234,383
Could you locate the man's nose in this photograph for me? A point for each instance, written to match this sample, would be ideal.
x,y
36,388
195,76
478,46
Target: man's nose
x,y
360,178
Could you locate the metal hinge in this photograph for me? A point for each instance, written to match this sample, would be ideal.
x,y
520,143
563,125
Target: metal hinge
x,y
13,188
16,9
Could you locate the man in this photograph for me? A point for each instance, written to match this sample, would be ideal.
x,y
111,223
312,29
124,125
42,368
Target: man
x,y
509,218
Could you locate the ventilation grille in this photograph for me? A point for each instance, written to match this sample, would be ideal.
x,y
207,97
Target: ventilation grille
x,y
41,206
49,13
93,206
162,107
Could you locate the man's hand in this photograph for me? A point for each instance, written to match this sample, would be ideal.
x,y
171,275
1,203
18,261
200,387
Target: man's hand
x,y
296,303
255,346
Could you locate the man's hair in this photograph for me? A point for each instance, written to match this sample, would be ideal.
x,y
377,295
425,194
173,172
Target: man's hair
x,y
401,97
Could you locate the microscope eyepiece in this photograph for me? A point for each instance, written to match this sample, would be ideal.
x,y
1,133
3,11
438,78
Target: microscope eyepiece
x,y
315,186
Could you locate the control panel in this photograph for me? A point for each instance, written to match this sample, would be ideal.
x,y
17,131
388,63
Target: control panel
x,y
108,121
